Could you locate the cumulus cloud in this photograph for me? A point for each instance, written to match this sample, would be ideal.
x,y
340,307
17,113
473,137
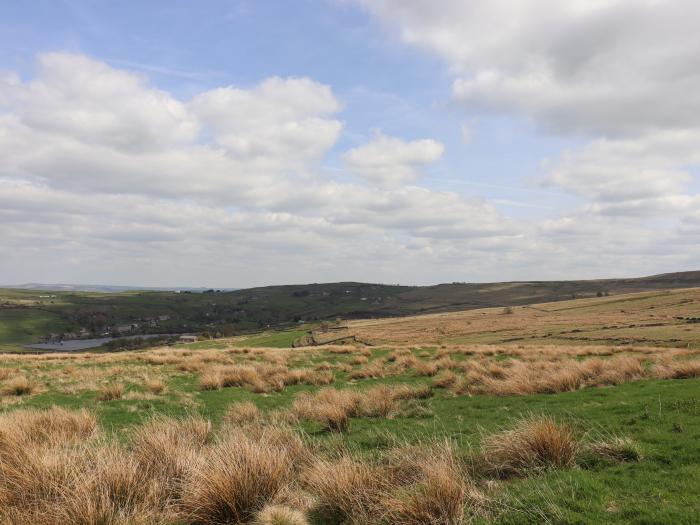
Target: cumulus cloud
x,y
601,66
74,96
621,74
101,169
388,161
280,118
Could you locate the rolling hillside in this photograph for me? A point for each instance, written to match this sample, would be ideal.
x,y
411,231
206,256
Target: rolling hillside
x,y
27,315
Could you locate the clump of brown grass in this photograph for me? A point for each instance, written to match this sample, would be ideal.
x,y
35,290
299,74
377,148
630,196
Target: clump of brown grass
x,y
242,413
51,426
535,443
333,408
18,386
616,448
330,407
166,448
234,480
434,489
677,369
6,373
403,392
345,490
425,369
210,380
112,489
377,402
358,360
620,370
280,515
111,392
444,379
373,370
154,385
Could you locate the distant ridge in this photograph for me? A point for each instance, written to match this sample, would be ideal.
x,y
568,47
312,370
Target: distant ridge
x,y
106,288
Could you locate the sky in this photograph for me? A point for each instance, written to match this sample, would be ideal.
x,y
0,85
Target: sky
x,y
238,143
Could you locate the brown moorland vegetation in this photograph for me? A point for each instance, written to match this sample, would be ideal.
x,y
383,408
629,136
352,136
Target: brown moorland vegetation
x,y
662,318
57,466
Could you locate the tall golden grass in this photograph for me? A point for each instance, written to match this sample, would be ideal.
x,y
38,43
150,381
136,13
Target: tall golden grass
x,y
534,444
58,467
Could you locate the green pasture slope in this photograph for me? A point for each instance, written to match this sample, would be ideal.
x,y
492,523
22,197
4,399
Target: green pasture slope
x,y
663,416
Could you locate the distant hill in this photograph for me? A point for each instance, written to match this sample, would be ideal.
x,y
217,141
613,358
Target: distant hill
x,y
28,314
62,287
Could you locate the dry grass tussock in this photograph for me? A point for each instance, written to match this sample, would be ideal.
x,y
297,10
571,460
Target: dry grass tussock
x,y
333,408
683,369
441,491
517,377
235,479
154,385
261,377
56,467
242,413
534,444
18,386
615,448
280,515
111,392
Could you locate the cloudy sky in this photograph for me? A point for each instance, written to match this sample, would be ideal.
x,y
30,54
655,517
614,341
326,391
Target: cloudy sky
x,y
236,143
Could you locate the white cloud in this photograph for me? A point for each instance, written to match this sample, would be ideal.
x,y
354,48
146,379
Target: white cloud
x,y
133,185
281,118
391,162
623,74
608,66
103,170
74,96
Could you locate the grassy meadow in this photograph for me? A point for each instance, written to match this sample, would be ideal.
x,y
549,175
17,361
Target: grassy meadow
x,y
443,420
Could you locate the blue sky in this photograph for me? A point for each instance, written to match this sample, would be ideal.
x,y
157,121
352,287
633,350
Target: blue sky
x,y
435,141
